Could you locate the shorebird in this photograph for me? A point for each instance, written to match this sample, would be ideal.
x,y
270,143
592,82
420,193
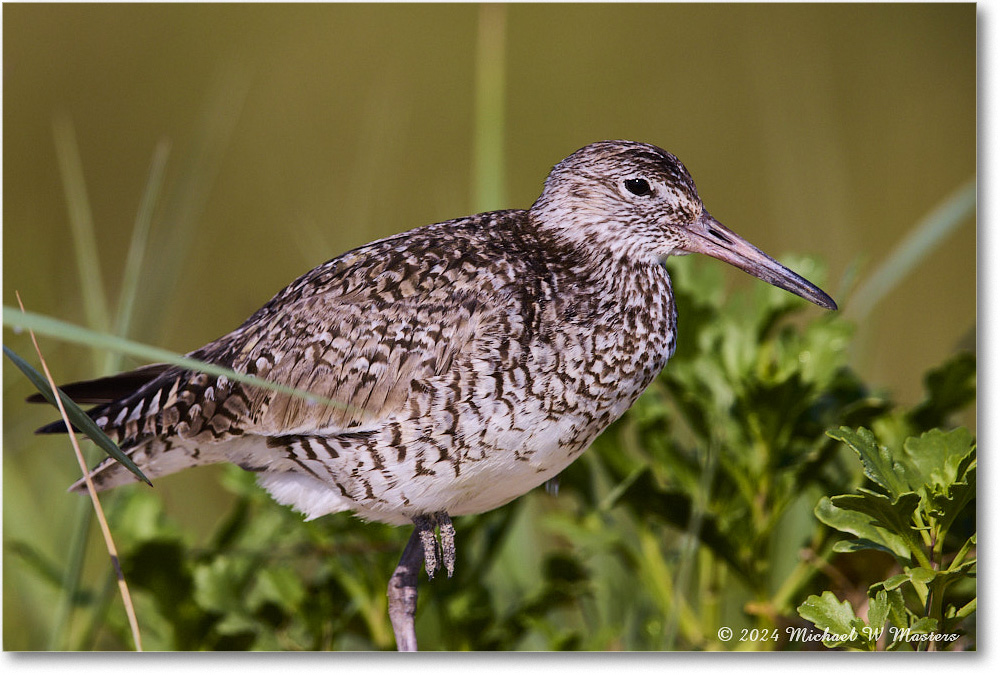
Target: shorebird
x,y
476,358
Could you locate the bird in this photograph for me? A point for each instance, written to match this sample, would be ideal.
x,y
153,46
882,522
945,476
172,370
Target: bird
x,y
474,359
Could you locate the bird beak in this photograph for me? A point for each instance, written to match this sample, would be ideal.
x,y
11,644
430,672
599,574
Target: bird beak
x,y
709,236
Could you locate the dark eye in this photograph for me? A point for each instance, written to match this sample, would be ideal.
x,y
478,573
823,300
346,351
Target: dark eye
x,y
638,186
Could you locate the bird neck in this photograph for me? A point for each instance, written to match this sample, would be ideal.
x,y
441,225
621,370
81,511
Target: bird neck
x,y
610,278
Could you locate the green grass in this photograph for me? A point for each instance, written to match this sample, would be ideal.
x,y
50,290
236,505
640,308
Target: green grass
x,y
956,210
490,89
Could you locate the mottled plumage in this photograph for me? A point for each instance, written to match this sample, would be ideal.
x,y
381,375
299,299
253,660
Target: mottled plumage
x,y
476,358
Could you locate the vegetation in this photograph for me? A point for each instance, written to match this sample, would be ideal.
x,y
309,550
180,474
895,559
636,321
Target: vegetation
x,y
703,508
920,493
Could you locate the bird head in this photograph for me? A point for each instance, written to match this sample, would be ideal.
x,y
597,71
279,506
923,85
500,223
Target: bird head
x,y
638,201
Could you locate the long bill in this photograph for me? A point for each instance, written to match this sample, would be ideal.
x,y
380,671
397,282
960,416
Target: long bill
x,y
709,236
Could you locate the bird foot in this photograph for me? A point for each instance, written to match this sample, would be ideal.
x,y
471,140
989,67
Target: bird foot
x,y
436,552
447,531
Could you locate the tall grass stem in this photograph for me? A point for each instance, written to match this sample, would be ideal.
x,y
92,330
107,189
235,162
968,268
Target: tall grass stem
x,y
92,491
488,159
97,317
82,227
183,206
691,540
921,241
137,250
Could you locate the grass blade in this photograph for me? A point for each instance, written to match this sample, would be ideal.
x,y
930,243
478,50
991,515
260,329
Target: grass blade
x,y
183,205
62,330
916,246
488,168
78,417
137,247
91,490
81,224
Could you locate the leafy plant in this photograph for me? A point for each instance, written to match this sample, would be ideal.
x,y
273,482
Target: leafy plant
x,y
691,513
921,491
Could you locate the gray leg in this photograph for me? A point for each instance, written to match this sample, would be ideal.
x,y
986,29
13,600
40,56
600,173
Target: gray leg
x,y
422,547
403,593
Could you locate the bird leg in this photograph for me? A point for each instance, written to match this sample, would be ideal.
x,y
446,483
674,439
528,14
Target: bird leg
x,y
403,593
403,583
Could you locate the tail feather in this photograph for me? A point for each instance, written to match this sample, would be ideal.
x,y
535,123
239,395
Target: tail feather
x,y
171,402
164,419
156,457
105,389
57,427
101,391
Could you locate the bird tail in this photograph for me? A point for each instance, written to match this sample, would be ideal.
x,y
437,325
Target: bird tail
x,y
156,457
102,391
129,412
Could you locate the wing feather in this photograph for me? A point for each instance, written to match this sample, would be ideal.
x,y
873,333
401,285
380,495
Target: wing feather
x,y
366,357
365,329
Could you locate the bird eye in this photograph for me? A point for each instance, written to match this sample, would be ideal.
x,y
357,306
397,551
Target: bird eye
x,y
638,186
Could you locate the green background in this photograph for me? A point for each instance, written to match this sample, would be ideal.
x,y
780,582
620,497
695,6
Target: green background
x,y
298,132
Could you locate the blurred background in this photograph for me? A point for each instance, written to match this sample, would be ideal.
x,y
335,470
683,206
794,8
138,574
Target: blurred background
x,y
285,135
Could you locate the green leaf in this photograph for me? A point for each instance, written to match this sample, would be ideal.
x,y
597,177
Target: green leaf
x,y
645,497
878,462
898,616
924,625
236,624
828,613
860,525
937,457
920,575
944,471
278,585
949,389
219,586
948,505
942,577
855,545
892,583
878,610
896,516
834,617
77,417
